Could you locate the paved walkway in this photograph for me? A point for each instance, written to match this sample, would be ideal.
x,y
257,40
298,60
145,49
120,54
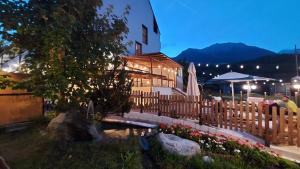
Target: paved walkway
x,y
288,152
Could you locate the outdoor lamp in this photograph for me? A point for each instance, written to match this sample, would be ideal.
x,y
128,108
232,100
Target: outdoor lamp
x,y
242,66
247,87
257,67
199,64
228,66
207,65
296,86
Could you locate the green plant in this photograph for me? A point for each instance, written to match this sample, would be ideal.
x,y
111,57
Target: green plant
x,y
73,51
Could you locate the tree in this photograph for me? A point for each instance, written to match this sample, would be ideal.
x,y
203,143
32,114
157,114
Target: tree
x,y
74,52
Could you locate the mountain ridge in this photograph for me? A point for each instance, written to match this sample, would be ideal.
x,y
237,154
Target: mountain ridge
x,y
223,53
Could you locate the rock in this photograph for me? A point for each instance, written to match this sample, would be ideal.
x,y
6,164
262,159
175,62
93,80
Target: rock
x,y
72,126
207,159
176,145
3,164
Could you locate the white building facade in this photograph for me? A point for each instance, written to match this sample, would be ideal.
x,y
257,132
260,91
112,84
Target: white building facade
x,y
144,33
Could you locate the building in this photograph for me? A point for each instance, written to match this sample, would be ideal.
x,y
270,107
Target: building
x,y
150,69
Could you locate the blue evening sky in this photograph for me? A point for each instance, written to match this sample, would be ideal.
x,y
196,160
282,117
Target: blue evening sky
x,y
270,24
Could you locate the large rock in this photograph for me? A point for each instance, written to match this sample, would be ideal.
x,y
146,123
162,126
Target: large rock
x,y
176,145
72,126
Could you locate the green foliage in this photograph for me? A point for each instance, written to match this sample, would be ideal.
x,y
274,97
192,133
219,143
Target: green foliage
x,y
74,52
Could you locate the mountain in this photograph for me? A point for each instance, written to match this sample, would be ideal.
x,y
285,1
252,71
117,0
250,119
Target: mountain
x,y
289,51
223,53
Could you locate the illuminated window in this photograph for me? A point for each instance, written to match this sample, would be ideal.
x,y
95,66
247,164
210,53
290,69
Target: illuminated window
x,y
138,48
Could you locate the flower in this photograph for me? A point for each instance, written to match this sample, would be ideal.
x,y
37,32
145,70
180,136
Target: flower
x,y
237,151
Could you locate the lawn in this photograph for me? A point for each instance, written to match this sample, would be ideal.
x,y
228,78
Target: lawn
x,y
31,149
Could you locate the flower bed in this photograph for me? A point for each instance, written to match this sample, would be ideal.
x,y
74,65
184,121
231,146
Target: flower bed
x,y
228,149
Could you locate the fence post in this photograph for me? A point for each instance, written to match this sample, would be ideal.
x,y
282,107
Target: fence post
x,y
158,103
142,102
274,124
267,119
298,128
290,127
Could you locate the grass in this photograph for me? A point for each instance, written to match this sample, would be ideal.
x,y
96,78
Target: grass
x,y
31,149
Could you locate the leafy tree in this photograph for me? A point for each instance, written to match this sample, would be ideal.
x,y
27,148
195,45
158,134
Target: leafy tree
x,y
74,51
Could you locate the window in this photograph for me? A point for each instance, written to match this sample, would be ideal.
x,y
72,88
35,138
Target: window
x,y
145,34
155,26
138,48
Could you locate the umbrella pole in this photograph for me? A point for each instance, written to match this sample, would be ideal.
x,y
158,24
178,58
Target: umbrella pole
x,y
232,92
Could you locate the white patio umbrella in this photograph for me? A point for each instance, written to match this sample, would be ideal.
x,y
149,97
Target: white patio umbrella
x,y
234,77
192,87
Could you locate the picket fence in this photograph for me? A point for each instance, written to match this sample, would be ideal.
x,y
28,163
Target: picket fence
x,y
274,126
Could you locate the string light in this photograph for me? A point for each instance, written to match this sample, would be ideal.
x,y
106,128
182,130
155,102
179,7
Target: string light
x,y
203,73
207,65
217,66
242,66
257,67
210,74
199,64
228,66
280,80
264,83
277,67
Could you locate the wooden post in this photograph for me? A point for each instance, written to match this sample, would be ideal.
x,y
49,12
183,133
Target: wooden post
x,y
282,124
225,114
248,128
298,128
267,119
142,102
235,115
274,124
230,115
290,127
260,129
241,118
253,118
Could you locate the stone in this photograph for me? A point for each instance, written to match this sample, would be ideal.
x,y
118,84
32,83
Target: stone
x,y
176,145
207,159
72,126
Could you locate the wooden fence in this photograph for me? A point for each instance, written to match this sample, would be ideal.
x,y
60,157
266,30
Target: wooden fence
x,y
275,126
22,107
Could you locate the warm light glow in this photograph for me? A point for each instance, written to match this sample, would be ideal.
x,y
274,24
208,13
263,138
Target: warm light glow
x,y
136,66
148,82
247,87
296,86
158,66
